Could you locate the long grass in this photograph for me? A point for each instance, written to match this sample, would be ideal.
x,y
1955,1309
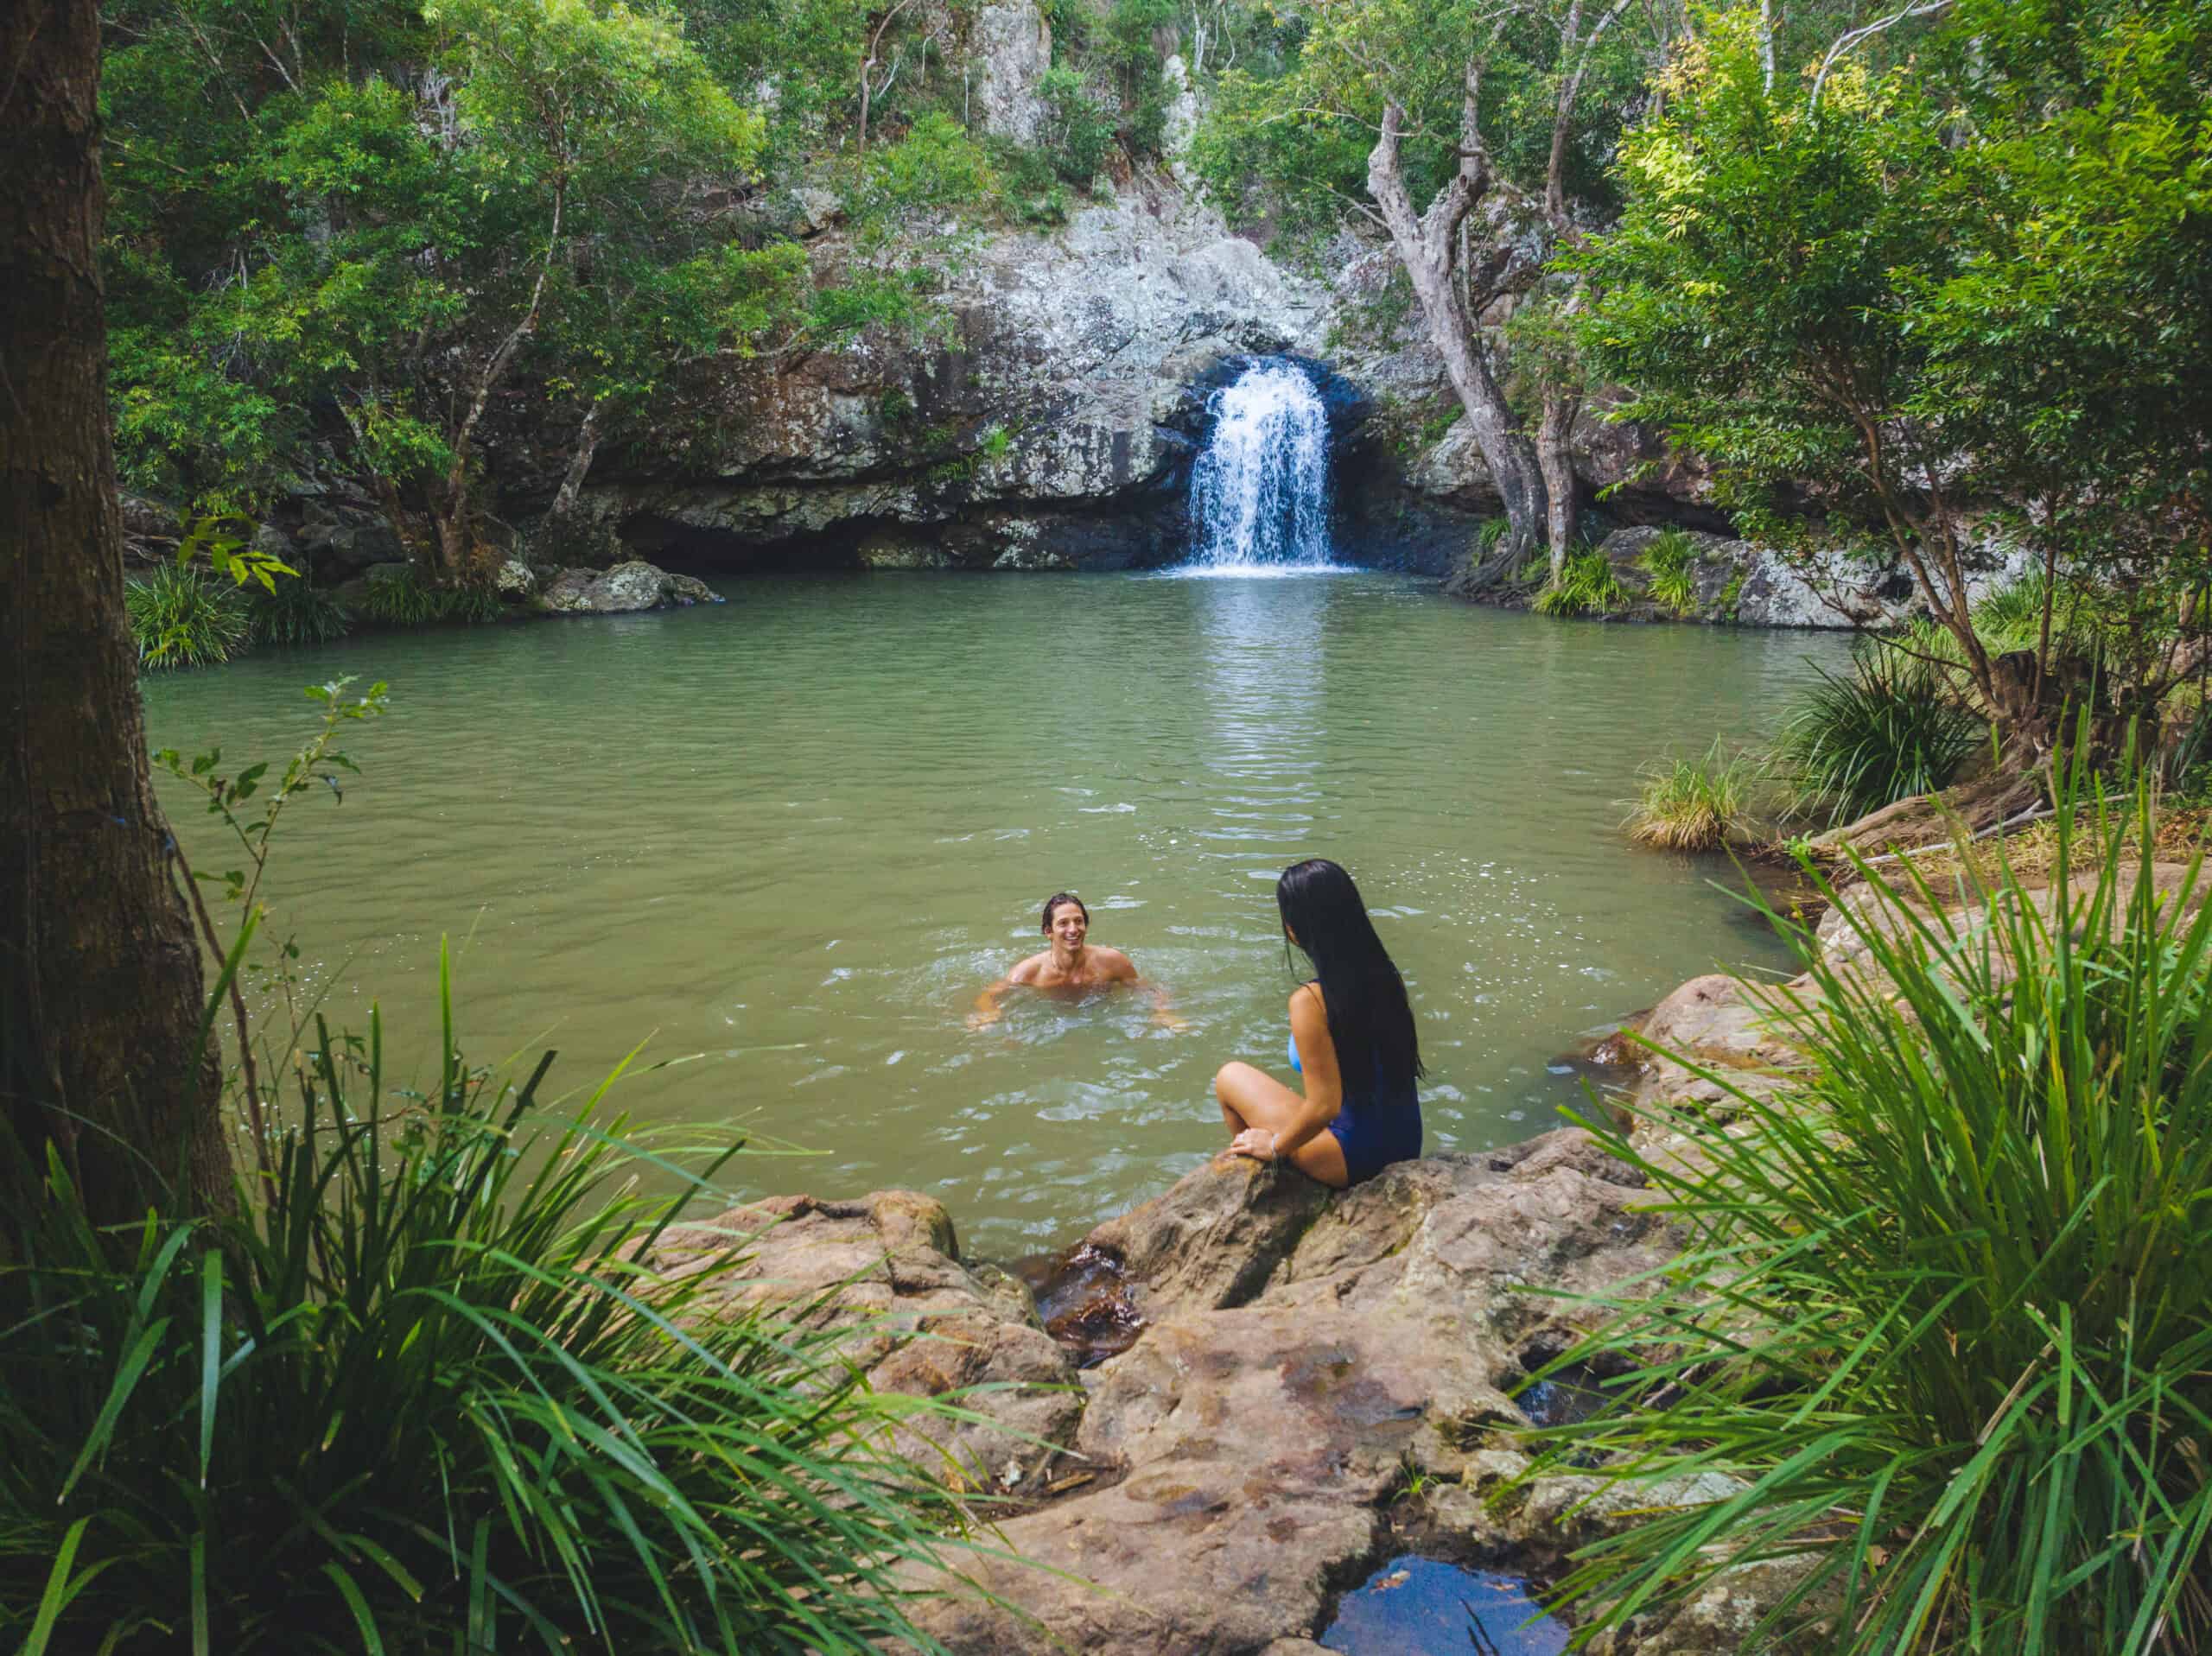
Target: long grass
x,y
418,1395
1946,1304
1671,561
1587,586
297,612
1886,730
1693,805
184,617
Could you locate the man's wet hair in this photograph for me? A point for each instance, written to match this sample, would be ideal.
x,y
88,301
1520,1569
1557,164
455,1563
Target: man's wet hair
x,y
1054,901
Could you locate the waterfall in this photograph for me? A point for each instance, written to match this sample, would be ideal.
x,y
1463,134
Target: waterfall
x,y
1260,492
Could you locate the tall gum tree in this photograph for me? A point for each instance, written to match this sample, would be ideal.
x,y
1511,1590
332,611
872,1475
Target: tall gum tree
x,y
100,985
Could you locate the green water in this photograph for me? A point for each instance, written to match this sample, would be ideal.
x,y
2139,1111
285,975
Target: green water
x,y
795,833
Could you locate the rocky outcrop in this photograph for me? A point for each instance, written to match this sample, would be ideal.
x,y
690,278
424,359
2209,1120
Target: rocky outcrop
x,y
887,1268
1012,43
1215,1486
1055,422
629,587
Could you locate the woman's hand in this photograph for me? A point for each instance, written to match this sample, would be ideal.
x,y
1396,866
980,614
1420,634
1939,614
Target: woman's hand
x,y
1256,1142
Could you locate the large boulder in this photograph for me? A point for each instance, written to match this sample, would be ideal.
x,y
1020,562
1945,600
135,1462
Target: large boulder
x,y
626,588
887,1268
1304,1348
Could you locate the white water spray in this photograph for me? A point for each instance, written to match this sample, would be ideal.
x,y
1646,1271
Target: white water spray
x,y
1260,492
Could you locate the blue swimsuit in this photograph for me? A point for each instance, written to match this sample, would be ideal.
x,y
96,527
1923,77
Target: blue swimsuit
x,y
1372,1132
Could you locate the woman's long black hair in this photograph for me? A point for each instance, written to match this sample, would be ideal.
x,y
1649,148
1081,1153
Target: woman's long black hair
x,y
1370,1020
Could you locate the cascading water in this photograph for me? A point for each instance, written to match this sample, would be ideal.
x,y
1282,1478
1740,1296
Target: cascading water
x,y
1260,492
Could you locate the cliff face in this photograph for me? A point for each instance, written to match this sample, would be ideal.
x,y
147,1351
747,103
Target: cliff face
x,y
1052,426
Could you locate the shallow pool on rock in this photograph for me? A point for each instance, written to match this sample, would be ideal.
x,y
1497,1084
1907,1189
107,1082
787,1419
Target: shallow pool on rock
x,y
1421,1606
795,833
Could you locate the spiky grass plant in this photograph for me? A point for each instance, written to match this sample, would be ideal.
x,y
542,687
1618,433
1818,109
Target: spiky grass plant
x,y
401,598
184,616
473,607
418,1394
1693,805
296,612
1671,561
1884,731
1945,1307
1587,586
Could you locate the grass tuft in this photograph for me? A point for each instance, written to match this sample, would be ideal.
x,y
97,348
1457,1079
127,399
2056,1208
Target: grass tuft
x,y
419,1384
1884,731
185,618
1693,805
1671,561
1943,1322
1587,586
401,598
298,613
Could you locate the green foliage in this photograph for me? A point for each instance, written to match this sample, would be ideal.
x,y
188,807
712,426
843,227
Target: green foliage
x,y
401,598
423,1381
184,616
1693,805
1985,265
1888,729
1671,561
473,605
400,207
1078,127
295,611
1587,586
1943,1310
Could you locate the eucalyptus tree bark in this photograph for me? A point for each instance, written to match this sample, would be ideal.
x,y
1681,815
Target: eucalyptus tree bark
x,y
1555,459
1426,245
100,987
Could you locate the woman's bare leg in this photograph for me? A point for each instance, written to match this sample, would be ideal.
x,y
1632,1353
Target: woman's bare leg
x,y
1253,1098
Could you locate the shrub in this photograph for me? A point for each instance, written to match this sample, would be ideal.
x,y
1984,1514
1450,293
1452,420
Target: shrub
x,y
298,613
1691,804
417,1384
1078,130
1671,561
184,616
401,598
1885,731
1587,586
1944,1309
473,607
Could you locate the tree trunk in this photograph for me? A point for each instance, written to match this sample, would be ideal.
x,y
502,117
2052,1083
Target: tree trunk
x,y
100,990
564,498
1555,456
1426,248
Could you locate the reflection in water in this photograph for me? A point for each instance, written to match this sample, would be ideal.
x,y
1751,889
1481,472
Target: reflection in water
x,y
1265,673
797,832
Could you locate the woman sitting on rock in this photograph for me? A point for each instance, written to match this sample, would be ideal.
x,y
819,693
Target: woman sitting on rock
x,y
1351,1038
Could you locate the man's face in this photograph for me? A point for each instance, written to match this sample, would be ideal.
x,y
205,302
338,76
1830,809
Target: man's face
x,y
1068,926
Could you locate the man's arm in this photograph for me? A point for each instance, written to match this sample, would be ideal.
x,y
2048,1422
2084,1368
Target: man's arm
x,y
987,1003
1163,1012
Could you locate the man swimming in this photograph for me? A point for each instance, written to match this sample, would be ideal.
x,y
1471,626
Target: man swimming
x,y
1070,966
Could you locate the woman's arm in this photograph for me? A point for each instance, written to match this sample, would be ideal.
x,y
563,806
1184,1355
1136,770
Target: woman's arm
x,y
1325,1091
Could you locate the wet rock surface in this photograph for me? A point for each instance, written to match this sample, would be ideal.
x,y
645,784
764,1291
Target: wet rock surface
x,y
1302,1349
1303,1361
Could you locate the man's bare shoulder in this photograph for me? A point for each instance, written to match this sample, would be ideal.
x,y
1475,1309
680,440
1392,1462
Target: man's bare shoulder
x,y
1027,971
1113,964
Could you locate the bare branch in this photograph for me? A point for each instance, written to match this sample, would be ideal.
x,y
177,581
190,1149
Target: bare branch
x,y
1851,38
